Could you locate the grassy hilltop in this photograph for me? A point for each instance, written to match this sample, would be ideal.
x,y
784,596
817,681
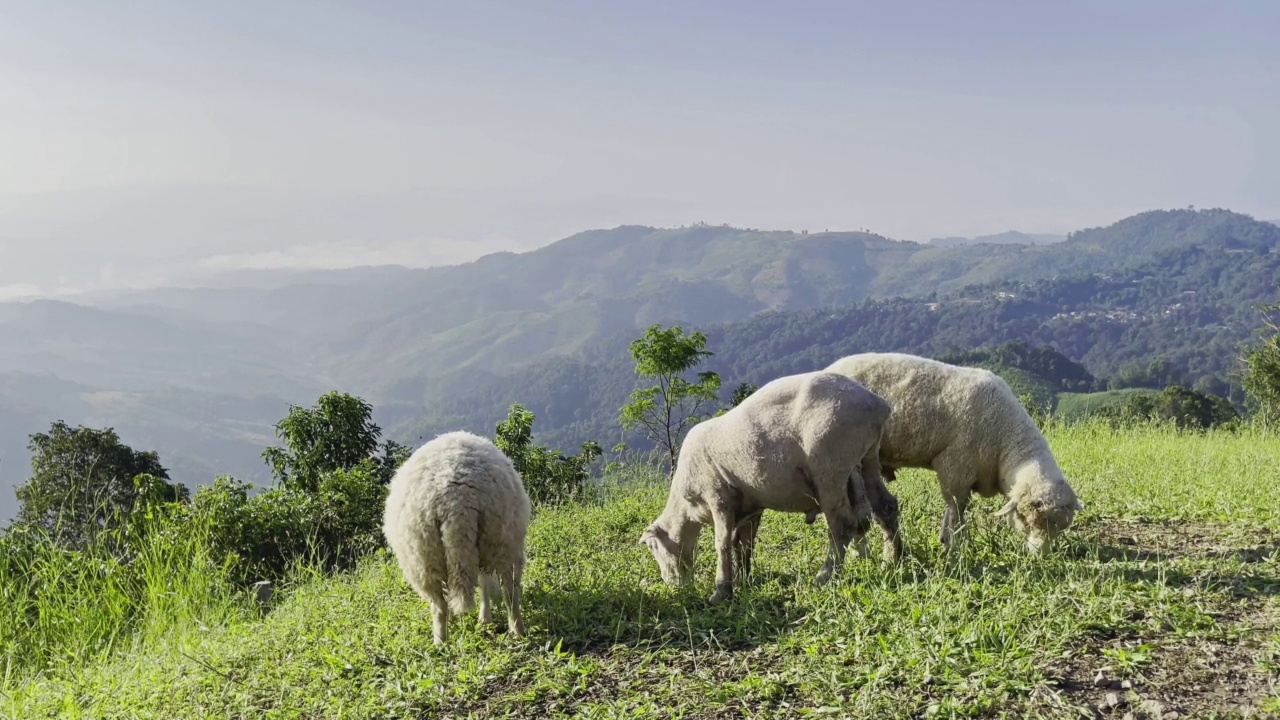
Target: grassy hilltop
x,y
1166,591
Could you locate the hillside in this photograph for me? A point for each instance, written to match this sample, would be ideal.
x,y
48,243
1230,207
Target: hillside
x,y
1161,595
1192,307
199,435
1011,237
454,346
376,329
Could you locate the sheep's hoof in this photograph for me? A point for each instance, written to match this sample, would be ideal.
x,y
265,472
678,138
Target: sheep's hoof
x,y
892,553
722,593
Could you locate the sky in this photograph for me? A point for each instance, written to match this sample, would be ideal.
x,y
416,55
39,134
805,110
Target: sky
x,y
145,142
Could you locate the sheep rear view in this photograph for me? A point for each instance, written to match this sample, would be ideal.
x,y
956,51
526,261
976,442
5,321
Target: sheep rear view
x,y
457,514
804,443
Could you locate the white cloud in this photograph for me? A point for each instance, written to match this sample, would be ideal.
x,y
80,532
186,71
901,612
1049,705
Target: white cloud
x,y
422,253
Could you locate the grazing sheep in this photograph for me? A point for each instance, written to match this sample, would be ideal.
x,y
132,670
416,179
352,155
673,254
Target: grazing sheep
x,y
967,425
791,446
457,513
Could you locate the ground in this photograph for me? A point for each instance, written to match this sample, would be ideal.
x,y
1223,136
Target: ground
x,y
1162,601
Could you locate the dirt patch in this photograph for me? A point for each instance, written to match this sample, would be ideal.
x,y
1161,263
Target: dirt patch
x,y
1132,540
1178,679
1189,677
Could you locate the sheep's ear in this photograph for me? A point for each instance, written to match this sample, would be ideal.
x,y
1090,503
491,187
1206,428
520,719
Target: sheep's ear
x,y
1079,505
1008,508
647,536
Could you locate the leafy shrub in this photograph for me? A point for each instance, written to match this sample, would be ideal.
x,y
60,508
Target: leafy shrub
x,y
549,476
1183,407
263,536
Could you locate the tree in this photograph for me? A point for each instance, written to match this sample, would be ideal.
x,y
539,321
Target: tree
x,y
1192,409
1186,408
1262,372
548,475
85,481
742,392
670,407
338,433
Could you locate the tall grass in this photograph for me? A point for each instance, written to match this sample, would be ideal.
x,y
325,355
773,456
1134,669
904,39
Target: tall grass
x,y
60,607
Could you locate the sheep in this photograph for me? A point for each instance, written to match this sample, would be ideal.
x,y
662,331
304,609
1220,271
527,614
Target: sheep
x,y
791,446
457,512
966,425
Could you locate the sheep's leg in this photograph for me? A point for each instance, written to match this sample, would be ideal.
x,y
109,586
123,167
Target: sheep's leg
x,y
744,541
884,506
439,613
722,518
856,490
862,500
952,533
841,501
489,590
511,580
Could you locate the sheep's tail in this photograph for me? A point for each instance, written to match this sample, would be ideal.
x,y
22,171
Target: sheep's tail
x,y
458,534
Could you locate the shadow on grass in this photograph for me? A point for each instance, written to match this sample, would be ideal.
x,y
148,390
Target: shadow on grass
x,y
1129,553
1249,585
594,620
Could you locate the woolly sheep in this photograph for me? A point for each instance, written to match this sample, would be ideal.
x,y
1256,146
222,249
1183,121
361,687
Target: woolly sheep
x,y
457,513
791,446
967,425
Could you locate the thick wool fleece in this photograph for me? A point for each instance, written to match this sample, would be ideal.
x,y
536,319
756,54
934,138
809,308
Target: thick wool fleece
x,y
801,443
456,509
968,426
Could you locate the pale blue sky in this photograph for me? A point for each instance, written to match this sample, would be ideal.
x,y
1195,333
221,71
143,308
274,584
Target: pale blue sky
x,y
154,139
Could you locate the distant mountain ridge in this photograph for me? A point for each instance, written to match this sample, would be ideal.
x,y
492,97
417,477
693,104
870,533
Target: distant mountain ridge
x,y
453,345
1010,237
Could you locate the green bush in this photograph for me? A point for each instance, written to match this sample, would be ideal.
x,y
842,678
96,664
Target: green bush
x,y
263,536
549,476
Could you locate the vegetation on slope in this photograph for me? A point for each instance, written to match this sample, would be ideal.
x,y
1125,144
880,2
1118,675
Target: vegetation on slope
x,y
1164,592
438,348
1176,319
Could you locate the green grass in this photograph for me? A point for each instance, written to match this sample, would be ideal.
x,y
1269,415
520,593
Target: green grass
x,y
1073,406
1168,582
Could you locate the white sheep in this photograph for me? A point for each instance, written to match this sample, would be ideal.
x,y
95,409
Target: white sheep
x,y
457,513
792,446
967,425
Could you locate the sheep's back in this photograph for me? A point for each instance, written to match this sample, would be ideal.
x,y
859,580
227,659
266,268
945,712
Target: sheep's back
x,y
467,479
821,422
938,406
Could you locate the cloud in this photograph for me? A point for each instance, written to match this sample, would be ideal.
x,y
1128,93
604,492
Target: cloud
x,y
419,253
19,292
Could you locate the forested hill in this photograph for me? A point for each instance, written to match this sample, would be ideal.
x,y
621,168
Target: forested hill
x,y
386,331
201,374
1192,306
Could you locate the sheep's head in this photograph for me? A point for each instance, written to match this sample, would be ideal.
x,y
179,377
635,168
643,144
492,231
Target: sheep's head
x,y
1042,514
675,559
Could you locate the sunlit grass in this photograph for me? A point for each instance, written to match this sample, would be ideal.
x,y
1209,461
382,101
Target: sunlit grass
x,y
1174,555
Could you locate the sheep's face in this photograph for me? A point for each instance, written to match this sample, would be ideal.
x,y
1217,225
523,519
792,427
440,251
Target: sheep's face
x,y
1041,520
675,560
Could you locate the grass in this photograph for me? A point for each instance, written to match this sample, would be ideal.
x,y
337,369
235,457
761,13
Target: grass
x,y
1073,406
1166,590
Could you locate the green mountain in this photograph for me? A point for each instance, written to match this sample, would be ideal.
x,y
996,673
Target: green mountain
x,y
199,435
201,373
1189,306
1012,237
388,331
